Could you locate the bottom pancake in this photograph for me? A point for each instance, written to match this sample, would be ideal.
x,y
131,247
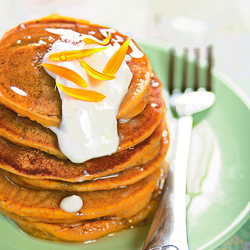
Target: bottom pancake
x,y
38,212
87,230
44,205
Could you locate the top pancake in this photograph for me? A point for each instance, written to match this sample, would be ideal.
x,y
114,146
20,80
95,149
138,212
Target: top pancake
x,y
21,51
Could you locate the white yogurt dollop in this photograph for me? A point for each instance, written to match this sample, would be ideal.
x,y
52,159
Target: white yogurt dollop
x,y
89,129
71,204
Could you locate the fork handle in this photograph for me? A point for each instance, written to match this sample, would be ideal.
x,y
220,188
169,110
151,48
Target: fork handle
x,y
168,229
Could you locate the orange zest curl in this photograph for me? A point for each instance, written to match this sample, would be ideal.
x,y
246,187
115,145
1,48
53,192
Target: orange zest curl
x,y
82,94
94,73
74,54
66,73
103,42
116,60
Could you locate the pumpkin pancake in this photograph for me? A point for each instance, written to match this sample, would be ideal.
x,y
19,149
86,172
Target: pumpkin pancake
x,y
140,127
9,38
26,45
127,177
34,163
23,131
84,231
44,205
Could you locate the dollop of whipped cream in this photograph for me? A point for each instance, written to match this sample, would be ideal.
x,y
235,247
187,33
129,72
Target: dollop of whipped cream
x,y
71,204
88,129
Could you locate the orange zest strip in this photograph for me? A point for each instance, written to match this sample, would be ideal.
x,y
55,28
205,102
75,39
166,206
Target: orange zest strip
x,y
94,73
66,73
115,61
74,54
82,94
92,41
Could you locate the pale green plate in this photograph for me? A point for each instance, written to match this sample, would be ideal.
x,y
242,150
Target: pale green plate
x,y
229,119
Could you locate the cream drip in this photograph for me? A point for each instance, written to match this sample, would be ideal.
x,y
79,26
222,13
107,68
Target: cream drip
x,y
88,129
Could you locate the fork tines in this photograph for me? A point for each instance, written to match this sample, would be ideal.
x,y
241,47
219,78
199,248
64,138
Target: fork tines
x,y
196,70
209,68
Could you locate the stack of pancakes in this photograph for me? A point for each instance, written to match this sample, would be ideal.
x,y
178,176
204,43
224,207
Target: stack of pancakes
x,y
119,190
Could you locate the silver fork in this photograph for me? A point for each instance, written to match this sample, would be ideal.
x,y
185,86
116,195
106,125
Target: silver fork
x,y
168,229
